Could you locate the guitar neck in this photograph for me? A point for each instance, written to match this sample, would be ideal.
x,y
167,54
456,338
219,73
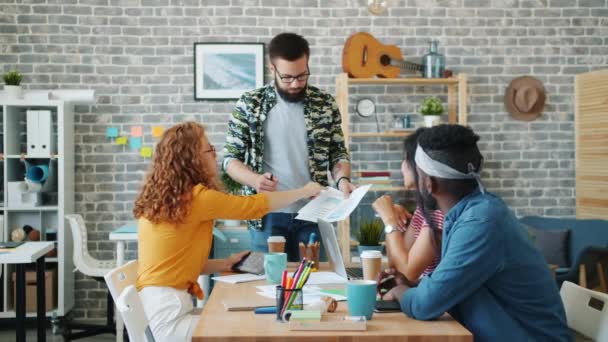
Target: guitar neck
x,y
408,65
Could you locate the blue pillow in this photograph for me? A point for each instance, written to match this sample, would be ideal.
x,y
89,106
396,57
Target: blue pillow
x,y
553,244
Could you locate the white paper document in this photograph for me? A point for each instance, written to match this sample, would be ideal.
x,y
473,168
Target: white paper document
x,y
331,206
311,294
239,278
273,288
321,278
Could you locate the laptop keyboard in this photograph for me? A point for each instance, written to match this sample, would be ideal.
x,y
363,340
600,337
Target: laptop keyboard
x,y
354,273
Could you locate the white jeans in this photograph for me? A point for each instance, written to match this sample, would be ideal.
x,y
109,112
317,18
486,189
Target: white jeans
x,y
168,311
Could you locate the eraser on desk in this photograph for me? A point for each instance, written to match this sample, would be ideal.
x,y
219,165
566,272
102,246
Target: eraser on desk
x,y
305,315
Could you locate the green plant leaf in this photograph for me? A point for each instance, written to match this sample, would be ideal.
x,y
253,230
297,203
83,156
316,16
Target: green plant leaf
x,y
370,232
12,78
431,105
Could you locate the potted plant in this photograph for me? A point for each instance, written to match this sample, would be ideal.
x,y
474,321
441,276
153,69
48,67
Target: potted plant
x,y
232,187
369,235
432,109
12,84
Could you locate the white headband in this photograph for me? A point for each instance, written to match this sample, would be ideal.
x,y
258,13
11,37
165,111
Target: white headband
x,y
436,169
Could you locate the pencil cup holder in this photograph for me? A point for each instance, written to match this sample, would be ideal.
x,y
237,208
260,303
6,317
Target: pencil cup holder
x,y
288,300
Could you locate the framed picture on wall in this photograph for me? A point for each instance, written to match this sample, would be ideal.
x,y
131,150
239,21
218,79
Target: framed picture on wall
x,y
226,70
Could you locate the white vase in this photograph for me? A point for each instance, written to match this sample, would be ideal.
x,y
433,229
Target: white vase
x,y
13,92
432,120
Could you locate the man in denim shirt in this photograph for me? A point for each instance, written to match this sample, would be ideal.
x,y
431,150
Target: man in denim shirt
x,y
490,278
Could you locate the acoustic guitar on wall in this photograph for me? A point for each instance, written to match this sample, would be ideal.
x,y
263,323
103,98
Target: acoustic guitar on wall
x,y
364,57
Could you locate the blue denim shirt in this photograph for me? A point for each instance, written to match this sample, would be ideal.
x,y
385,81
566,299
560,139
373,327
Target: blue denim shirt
x,y
490,278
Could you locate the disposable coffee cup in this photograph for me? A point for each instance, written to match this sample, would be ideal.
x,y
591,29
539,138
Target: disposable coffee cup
x,y
276,244
371,261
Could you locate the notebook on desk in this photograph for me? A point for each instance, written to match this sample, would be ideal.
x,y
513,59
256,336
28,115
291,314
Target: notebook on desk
x,y
328,235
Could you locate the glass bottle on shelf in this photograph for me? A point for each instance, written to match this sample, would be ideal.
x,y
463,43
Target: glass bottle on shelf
x,y
434,62
407,122
397,123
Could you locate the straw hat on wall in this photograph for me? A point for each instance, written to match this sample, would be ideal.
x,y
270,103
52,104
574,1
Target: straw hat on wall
x,y
525,98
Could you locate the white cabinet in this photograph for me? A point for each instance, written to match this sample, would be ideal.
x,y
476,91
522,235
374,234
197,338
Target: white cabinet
x,y
51,121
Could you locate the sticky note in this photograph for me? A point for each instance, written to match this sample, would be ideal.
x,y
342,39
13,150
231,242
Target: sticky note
x,y
135,143
146,152
136,131
111,132
157,131
121,140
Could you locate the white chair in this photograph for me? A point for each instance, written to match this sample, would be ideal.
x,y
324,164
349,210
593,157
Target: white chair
x,y
121,282
586,310
91,267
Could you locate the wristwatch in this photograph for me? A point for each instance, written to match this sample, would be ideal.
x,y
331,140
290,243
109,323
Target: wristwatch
x,y
389,229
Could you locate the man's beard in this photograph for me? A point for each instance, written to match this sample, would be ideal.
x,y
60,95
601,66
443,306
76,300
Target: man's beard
x,y
428,201
289,97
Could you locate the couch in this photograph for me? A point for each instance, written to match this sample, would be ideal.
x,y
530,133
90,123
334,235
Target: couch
x,y
586,246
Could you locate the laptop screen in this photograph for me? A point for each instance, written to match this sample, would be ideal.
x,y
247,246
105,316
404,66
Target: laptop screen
x,y
330,242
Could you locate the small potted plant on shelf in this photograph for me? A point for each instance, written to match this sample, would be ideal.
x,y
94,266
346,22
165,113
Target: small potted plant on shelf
x,y
432,109
369,235
232,187
12,84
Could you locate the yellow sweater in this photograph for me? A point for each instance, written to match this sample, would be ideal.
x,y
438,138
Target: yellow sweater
x,y
175,254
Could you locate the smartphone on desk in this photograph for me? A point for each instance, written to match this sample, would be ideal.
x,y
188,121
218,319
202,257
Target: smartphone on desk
x,y
387,306
386,284
252,262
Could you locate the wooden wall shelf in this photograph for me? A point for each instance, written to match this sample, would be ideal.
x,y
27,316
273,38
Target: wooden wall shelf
x,y
383,134
457,113
411,81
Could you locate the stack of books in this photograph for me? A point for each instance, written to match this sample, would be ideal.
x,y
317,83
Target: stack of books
x,y
376,178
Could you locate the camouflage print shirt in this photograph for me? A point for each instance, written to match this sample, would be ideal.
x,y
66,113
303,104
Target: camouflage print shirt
x,y
245,137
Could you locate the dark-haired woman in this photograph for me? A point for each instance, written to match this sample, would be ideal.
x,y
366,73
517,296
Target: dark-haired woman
x,y
413,249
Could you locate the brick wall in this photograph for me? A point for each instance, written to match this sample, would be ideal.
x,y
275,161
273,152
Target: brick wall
x,y
137,55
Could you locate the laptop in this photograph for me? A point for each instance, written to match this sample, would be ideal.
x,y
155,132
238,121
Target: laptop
x,y
330,242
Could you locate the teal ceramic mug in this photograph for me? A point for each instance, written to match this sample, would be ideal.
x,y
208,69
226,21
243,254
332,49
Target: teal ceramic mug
x,y
274,265
361,298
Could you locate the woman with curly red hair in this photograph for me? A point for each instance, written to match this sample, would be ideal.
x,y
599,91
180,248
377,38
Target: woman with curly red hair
x,y
176,209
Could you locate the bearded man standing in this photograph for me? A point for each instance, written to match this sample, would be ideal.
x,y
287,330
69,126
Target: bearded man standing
x,y
281,137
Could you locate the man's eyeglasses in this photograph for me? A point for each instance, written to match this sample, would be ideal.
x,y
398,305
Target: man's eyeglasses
x,y
211,149
289,79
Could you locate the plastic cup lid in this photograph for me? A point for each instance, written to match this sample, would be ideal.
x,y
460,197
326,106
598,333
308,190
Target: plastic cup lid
x,y
276,238
371,254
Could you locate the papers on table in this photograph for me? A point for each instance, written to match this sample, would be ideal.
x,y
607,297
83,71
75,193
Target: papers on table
x,y
239,278
312,294
331,206
321,278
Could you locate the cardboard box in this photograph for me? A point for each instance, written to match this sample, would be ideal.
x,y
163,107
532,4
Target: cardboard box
x,y
50,289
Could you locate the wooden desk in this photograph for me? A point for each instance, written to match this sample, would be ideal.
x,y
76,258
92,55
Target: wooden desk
x,y
217,324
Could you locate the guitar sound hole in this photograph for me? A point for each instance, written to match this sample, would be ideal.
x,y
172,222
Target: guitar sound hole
x,y
385,60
